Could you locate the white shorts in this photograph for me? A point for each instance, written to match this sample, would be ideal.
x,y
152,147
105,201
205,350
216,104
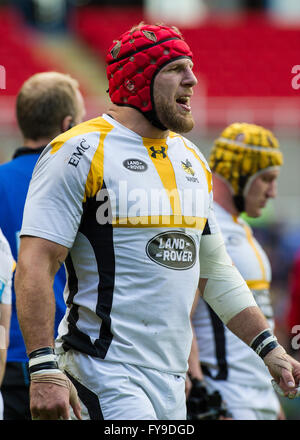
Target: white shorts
x,y
245,402
252,414
116,391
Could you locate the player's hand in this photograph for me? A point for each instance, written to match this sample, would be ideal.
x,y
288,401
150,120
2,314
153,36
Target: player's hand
x,y
51,396
285,370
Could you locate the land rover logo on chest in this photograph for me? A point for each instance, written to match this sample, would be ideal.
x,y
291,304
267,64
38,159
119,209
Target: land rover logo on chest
x,y
174,250
135,165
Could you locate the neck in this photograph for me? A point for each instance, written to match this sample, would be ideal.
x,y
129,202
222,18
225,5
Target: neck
x,y
135,121
34,144
223,195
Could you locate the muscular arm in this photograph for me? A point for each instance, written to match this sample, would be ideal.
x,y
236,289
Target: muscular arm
x,y
248,323
38,262
222,286
227,293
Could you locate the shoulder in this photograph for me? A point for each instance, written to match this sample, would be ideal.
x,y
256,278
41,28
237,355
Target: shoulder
x,y
230,226
72,162
190,146
221,213
88,131
224,218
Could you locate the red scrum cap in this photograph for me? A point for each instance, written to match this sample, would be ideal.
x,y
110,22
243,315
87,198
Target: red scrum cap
x,y
135,59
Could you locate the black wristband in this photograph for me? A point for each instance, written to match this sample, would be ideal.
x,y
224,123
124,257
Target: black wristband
x,y
44,366
270,346
264,343
260,338
41,352
42,359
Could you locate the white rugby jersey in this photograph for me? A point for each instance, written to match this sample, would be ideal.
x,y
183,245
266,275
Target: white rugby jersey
x,y
223,355
131,280
7,266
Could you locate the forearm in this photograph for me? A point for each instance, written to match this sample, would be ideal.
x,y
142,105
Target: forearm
x,y
35,300
251,327
227,293
51,392
38,262
35,307
248,324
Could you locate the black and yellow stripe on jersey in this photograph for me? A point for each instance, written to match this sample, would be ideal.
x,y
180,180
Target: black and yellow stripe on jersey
x,y
132,217
158,153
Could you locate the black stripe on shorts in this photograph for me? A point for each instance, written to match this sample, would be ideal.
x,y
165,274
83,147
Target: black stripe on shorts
x,y
88,398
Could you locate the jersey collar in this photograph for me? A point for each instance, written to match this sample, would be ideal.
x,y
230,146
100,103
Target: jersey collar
x,y
26,150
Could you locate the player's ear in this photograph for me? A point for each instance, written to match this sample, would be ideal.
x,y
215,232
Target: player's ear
x,y
67,123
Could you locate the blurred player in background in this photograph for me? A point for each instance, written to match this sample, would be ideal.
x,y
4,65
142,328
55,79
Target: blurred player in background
x,y
48,104
245,162
7,265
133,264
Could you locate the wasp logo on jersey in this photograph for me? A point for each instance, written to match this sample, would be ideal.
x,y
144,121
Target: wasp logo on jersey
x,y
161,152
187,166
174,250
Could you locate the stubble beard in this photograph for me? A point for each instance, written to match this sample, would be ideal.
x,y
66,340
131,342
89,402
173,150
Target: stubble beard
x,y
170,117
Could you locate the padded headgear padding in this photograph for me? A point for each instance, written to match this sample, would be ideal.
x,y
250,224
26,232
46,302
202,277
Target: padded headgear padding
x,y
242,151
134,60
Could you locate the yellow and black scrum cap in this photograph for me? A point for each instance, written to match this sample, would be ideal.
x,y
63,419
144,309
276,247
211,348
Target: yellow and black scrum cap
x,y
241,151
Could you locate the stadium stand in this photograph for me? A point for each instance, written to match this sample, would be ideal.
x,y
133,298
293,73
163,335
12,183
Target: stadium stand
x,y
25,50
249,73
252,59
19,57
17,51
